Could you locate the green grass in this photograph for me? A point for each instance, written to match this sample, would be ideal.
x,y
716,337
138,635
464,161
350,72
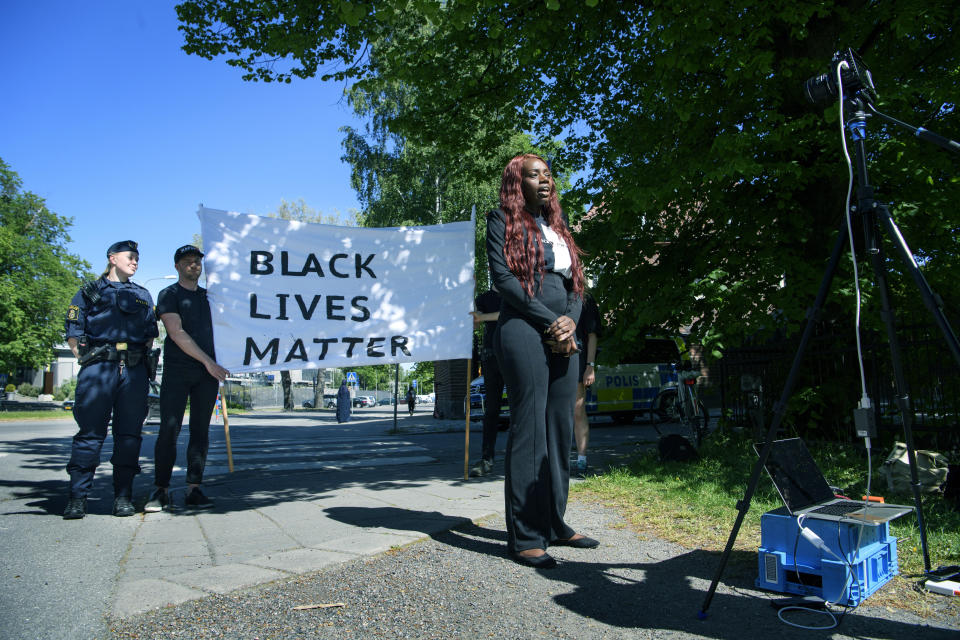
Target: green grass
x,y
694,504
52,414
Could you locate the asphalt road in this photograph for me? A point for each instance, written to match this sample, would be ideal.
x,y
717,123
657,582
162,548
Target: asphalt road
x,y
59,575
447,574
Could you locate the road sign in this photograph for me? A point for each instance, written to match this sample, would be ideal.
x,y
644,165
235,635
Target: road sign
x,y
352,378
414,384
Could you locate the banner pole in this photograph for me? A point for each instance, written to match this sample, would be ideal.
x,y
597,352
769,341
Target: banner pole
x,y
466,430
226,431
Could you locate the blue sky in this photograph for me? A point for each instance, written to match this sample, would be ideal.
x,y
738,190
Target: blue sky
x,y
105,117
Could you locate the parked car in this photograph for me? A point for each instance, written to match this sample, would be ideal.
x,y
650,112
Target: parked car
x,y
386,402
330,400
68,405
307,404
477,395
364,401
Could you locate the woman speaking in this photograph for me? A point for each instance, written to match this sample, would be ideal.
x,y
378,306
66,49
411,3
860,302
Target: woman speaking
x,y
535,266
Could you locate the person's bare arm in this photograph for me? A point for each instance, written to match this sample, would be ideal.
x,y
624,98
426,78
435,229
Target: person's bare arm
x,y
479,318
590,374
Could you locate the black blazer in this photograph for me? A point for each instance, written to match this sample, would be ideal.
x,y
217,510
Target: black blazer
x,y
509,286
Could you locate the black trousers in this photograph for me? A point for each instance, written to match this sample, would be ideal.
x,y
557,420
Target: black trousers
x,y
180,383
492,398
541,388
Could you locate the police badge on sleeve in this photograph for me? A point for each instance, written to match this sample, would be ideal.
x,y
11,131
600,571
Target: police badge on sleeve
x,y
73,313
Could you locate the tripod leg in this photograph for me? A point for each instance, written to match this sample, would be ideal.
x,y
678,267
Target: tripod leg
x,y
930,299
902,393
743,506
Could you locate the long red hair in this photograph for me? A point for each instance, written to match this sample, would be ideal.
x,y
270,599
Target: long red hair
x,y
524,256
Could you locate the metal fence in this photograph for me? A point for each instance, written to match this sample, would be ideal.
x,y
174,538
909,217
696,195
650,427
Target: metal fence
x,y
263,396
751,380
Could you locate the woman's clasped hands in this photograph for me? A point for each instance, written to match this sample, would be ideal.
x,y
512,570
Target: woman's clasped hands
x,y
561,336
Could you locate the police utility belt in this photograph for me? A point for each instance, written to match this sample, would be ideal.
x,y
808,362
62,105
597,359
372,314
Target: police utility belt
x,y
129,354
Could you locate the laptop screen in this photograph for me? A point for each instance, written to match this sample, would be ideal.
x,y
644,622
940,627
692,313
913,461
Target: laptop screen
x,y
796,475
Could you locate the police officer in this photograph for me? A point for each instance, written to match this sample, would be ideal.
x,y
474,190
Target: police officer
x,y
110,328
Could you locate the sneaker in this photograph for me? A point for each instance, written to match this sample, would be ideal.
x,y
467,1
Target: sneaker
x,y
122,507
159,501
580,469
196,500
76,509
481,468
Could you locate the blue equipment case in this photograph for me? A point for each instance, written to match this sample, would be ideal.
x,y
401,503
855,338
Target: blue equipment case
x,y
788,563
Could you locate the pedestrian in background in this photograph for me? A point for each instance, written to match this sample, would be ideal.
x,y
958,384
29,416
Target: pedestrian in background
x,y
588,330
411,399
110,328
487,313
535,266
343,402
190,371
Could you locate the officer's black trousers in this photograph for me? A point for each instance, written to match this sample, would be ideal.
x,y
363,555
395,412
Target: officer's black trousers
x,y
180,383
541,388
105,389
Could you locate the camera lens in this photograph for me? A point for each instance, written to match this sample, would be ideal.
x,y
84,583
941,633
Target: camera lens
x,y
820,89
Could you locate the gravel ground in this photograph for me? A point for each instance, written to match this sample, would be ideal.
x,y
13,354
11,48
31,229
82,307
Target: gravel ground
x,y
460,584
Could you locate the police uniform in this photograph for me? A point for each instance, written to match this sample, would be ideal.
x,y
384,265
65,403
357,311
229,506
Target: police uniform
x,y
113,322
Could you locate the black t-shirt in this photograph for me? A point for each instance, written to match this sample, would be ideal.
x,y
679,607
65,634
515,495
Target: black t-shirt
x,y
488,302
194,311
589,321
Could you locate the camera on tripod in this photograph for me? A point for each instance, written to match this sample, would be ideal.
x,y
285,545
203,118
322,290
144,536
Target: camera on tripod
x,y
822,90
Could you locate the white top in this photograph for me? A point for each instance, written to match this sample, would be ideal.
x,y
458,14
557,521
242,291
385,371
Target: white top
x,y
554,244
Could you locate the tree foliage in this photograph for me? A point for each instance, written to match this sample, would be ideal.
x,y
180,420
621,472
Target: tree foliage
x,y
717,189
400,181
38,276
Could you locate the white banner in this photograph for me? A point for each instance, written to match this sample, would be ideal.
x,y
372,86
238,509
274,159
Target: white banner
x,y
294,295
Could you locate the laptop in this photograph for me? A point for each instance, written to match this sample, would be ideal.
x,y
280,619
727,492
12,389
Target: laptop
x,y
805,491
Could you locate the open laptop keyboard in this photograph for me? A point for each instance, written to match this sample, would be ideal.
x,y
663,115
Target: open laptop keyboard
x,y
838,508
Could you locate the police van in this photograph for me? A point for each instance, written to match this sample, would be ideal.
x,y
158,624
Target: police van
x,y
626,391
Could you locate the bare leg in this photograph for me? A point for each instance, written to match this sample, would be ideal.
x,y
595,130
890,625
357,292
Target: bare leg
x,y
581,426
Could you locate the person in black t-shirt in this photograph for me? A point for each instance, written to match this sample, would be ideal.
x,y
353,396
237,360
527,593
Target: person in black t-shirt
x,y
190,370
587,332
487,313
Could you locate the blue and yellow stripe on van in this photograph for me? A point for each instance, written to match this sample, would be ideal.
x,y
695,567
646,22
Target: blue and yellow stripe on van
x,y
627,387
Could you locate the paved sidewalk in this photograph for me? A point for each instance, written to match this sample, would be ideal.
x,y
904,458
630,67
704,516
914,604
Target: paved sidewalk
x,y
268,526
252,538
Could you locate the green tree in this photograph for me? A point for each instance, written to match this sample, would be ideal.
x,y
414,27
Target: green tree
x,y
402,182
38,276
718,189
422,372
302,212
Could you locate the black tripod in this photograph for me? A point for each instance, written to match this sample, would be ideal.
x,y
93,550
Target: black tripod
x,y
872,213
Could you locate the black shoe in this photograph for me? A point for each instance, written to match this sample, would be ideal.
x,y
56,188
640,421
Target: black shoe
x,y
196,500
481,468
579,543
159,501
122,507
76,509
546,561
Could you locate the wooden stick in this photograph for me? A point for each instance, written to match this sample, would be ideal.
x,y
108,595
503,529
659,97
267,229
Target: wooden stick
x,y
466,434
226,432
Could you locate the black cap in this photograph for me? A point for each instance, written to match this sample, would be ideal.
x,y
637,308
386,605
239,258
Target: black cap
x,y
186,250
123,245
